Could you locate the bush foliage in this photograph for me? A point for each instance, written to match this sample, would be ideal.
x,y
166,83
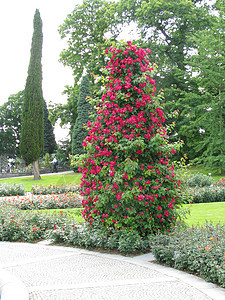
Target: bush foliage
x,y
199,180
14,189
207,194
54,189
127,179
199,250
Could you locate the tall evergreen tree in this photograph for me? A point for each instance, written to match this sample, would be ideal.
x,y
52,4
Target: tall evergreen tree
x,y
32,130
49,137
83,111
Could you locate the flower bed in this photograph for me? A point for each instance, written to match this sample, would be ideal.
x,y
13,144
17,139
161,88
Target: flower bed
x,y
207,194
54,189
14,189
45,201
221,182
19,226
200,250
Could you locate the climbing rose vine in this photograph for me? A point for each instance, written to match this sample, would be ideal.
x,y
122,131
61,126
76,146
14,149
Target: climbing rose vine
x,y
127,181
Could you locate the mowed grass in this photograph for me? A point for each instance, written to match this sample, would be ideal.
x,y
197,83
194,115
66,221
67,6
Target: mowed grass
x,y
28,182
71,213
201,213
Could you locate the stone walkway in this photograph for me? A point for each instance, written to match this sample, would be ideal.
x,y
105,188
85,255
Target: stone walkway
x,y
41,271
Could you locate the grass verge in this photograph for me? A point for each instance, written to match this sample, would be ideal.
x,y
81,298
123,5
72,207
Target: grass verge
x,y
213,212
60,179
74,213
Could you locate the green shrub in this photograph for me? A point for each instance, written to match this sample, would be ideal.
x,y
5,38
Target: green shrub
x,y
199,250
199,180
13,189
127,180
15,225
207,194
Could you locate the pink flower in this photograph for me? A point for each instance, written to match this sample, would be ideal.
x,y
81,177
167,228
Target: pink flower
x,y
125,176
166,213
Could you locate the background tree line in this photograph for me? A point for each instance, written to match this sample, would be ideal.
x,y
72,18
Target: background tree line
x,y
187,42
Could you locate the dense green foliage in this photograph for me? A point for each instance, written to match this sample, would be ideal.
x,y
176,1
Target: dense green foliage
x,y
199,180
84,110
127,180
207,194
32,131
199,250
10,124
49,137
180,34
209,111
87,36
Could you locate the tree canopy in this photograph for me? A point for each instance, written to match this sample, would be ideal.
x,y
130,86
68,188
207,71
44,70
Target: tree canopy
x,y
173,30
10,124
86,30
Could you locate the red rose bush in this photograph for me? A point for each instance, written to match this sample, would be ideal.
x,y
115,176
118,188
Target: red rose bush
x,y
128,182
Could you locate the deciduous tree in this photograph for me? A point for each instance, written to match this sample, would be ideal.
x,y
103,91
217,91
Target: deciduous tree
x,y
86,30
208,116
10,125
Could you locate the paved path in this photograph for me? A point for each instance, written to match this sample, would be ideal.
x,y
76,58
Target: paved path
x,y
46,174
41,271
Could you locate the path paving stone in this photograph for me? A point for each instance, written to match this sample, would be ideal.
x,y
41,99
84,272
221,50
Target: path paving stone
x,y
61,273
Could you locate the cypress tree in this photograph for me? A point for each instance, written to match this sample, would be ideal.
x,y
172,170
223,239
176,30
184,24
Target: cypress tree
x,y
32,130
49,137
83,112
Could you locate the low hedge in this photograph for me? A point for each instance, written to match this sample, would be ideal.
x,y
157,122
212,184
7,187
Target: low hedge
x,y
200,250
54,189
207,194
7,189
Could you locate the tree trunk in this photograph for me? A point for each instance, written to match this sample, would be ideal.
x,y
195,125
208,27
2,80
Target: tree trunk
x,y
222,171
36,170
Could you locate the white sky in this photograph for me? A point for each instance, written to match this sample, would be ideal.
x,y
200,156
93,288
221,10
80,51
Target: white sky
x,y
16,28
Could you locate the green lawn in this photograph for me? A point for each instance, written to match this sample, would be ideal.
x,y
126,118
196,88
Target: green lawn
x,y
201,212
45,180
74,213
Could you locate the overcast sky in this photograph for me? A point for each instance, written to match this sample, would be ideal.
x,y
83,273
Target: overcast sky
x,y
16,28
